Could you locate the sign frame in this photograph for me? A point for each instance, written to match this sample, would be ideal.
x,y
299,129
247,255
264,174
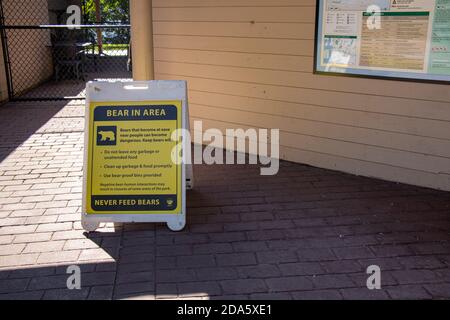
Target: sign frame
x,y
137,91
316,61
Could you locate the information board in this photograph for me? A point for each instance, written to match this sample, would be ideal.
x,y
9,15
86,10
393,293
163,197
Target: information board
x,y
133,167
403,39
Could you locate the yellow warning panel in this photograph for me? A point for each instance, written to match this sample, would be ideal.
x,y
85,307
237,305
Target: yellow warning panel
x,y
130,168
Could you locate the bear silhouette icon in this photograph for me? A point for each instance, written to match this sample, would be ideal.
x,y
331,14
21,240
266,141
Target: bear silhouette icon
x,y
107,136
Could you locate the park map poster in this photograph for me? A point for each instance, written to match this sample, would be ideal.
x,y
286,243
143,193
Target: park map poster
x,y
407,39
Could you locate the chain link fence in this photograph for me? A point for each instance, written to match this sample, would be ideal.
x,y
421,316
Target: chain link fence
x,y
52,62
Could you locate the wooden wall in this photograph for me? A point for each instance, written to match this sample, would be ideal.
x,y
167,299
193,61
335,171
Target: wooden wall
x,y
249,64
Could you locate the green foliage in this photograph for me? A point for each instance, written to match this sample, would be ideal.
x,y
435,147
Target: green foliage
x,y
112,11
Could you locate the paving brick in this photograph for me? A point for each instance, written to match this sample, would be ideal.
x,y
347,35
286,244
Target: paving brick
x,y
415,276
31,272
60,211
191,238
332,281
13,285
19,206
271,296
95,255
302,268
48,282
241,226
33,237
277,224
44,185
35,199
48,246
97,278
174,250
10,200
410,292
65,294
4,213
243,286
175,275
353,253
67,235
430,248
27,213
71,217
266,235
391,251
57,257
421,262
11,249
280,256
206,288
196,261
6,239
364,294
289,284
209,248
166,291
27,295
126,290
206,228
215,273
134,258
18,260
41,220
258,271
227,236
51,227
142,276
316,254
68,196
342,266
79,244
12,221
236,259
51,204
256,216
17,229
317,295
439,290
101,293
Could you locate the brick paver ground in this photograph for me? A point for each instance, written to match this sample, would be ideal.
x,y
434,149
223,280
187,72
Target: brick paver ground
x,y
306,233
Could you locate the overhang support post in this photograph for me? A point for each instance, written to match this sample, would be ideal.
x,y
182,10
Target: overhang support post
x,y
142,39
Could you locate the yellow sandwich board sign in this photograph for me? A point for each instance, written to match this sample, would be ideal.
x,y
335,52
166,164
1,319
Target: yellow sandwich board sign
x,y
133,170
130,151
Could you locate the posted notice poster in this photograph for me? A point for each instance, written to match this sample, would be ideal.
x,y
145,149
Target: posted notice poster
x,y
131,167
385,38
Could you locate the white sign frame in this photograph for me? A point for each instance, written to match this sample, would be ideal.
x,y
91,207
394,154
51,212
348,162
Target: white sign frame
x,y
104,91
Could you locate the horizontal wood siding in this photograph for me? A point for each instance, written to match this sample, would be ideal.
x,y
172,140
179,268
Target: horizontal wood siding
x,y
249,64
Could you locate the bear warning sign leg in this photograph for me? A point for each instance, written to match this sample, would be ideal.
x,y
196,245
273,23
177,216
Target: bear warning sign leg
x,y
189,177
177,224
89,226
